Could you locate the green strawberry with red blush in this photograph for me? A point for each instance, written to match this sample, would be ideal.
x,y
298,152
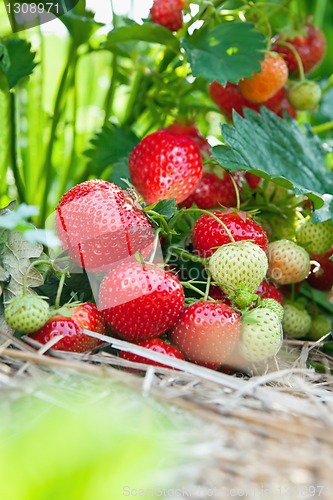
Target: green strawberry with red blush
x,y
70,322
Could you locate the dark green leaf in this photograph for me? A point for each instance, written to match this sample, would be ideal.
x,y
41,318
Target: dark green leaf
x,y
278,150
4,58
326,211
167,208
225,53
21,60
146,32
111,147
81,26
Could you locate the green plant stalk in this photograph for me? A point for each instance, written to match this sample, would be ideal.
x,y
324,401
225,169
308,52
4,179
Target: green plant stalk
x,y
13,147
69,170
135,90
47,170
324,127
319,15
109,99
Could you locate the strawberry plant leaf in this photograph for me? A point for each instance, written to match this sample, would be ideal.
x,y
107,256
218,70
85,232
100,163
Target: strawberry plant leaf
x,y
111,148
167,208
226,53
326,211
21,60
147,32
15,255
5,329
278,150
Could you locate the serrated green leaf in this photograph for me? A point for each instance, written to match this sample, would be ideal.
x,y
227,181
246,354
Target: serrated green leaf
x,y
226,53
15,255
147,32
278,150
21,60
111,147
166,208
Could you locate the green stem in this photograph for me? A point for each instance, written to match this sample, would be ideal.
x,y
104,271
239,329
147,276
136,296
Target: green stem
x,y
59,291
47,170
232,239
296,56
319,15
187,284
133,97
109,100
236,191
13,147
26,274
188,255
324,127
69,171
209,279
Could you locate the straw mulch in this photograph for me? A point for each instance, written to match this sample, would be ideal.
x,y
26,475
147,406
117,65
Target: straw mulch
x,y
264,434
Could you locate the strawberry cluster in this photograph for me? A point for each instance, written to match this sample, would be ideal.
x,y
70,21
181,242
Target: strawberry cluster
x,y
290,57
244,302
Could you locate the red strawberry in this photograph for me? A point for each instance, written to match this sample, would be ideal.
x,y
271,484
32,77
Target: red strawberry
x,y
71,323
263,85
208,234
140,301
268,290
311,47
252,180
207,333
212,191
156,345
99,224
189,129
322,278
167,13
229,98
165,166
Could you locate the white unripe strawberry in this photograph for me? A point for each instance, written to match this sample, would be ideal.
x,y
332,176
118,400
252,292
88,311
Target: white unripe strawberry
x,y
261,334
296,321
240,265
316,238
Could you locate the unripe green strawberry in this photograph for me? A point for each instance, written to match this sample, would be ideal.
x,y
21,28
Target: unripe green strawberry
x,y
244,298
296,321
304,95
240,265
316,238
274,306
320,326
27,314
261,334
288,262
